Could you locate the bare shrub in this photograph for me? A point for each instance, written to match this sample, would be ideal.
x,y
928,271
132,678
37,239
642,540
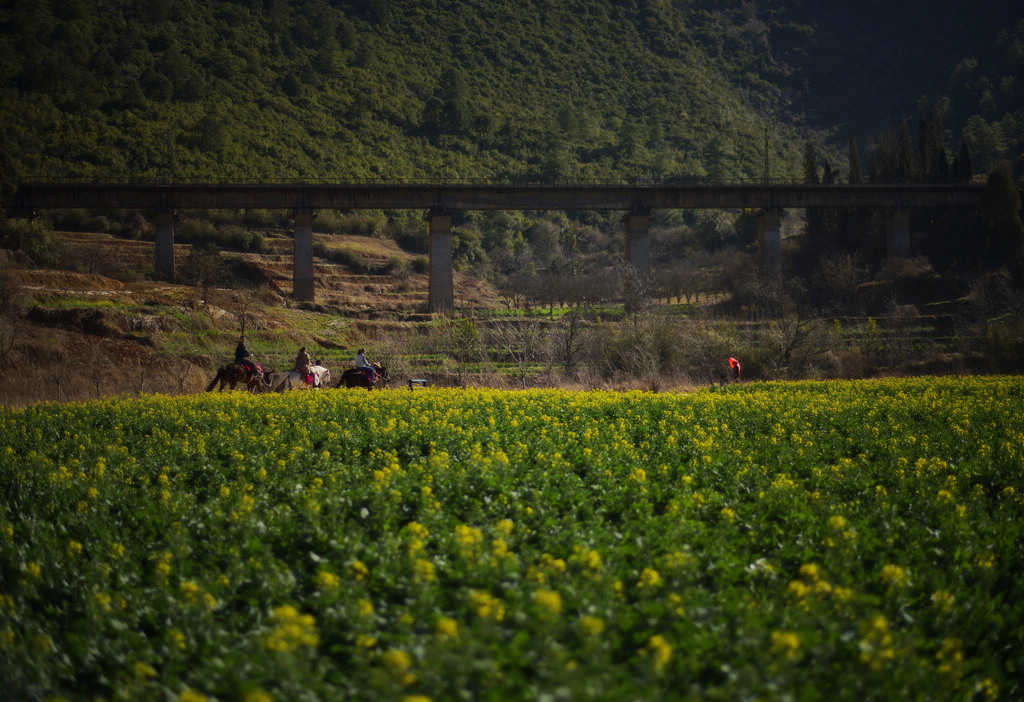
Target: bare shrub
x,y
684,281
567,341
851,363
792,344
705,344
994,295
390,349
834,282
997,321
518,341
139,228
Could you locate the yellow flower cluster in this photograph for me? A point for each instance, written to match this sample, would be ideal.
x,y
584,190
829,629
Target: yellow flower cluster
x,y
292,630
894,576
326,580
876,644
549,600
659,650
486,605
398,662
446,627
785,643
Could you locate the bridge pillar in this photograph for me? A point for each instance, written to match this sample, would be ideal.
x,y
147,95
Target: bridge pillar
x,y
769,237
164,254
441,290
638,250
302,258
898,241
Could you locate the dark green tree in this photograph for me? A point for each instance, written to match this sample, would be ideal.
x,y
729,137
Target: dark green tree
x,y
828,217
962,170
449,111
931,151
1000,214
856,175
815,221
811,164
942,175
906,165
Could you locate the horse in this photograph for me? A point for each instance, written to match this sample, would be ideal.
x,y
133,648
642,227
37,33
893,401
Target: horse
x,y
355,378
234,374
293,380
322,374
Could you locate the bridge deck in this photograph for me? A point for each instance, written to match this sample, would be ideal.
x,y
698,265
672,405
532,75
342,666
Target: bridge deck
x,y
317,196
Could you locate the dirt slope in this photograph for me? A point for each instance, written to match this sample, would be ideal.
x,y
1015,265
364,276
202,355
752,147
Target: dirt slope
x,y
98,326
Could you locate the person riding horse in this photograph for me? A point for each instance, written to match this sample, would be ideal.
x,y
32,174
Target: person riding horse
x,y
365,366
243,357
303,363
244,370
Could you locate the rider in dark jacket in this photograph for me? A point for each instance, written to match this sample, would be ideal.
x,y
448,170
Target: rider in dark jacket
x,y
243,355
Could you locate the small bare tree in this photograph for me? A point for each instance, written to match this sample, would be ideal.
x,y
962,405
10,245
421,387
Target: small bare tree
x,y
391,348
464,344
8,335
183,371
245,300
204,269
568,339
793,339
515,290
93,257
520,342
636,291
10,311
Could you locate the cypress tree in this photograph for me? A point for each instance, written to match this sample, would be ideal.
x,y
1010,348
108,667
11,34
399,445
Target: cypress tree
x,y
813,220
829,219
931,152
856,174
886,155
811,164
905,165
924,153
942,174
874,162
963,167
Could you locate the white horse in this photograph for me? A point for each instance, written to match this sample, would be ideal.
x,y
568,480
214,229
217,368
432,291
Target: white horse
x,y
293,380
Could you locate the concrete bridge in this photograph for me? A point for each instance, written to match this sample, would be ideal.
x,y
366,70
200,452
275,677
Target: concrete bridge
x,y
440,201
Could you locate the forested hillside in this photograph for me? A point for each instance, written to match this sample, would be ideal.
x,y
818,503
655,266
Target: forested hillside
x,y
861,65
562,89
380,90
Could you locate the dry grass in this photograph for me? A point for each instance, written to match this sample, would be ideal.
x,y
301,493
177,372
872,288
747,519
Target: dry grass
x,y
107,347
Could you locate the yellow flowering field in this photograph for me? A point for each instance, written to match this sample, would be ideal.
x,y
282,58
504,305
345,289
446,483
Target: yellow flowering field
x,y
843,540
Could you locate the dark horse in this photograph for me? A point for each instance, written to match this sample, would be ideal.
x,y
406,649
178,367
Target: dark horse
x,y
355,378
235,373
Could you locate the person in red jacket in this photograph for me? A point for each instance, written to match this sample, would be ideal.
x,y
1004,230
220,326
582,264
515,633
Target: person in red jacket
x,y
734,366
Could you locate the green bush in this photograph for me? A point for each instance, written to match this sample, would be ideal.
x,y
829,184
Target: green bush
x,y
32,239
239,238
79,220
195,231
396,266
420,265
348,258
